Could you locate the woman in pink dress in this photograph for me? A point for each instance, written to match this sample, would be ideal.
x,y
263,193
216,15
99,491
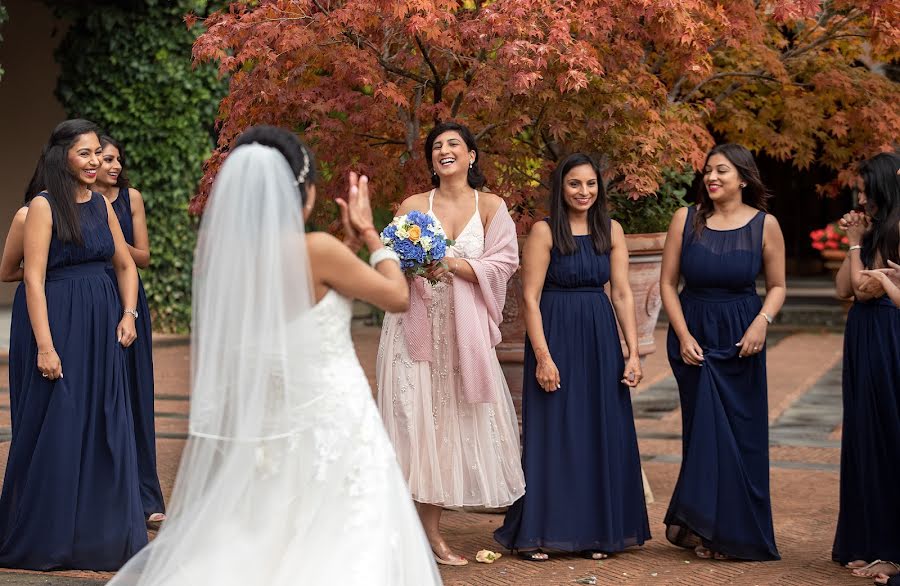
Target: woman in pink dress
x,y
444,400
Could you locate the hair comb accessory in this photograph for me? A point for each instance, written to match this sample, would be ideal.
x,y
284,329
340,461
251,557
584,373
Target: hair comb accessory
x,y
301,177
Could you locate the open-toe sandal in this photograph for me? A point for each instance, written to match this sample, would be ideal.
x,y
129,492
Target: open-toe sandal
x,y
594,554
534,555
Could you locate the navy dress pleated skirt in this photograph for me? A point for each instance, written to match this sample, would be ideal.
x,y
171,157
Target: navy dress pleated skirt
x,y
71,497
722,497
580,453
139,363
868,526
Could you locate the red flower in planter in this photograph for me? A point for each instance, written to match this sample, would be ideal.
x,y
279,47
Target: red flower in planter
x,y
831,237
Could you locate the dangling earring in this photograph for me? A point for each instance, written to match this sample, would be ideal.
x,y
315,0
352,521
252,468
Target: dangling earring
x,y
471,163
743,185
433,173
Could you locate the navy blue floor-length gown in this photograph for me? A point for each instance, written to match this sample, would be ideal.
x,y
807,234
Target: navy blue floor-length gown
x,y
868,526
139,361
722,494
71,497
580,453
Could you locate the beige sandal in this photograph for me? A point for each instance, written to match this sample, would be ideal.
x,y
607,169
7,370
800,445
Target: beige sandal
x,y
869,571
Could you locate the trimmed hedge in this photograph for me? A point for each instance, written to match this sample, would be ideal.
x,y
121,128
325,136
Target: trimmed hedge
x,y
130,71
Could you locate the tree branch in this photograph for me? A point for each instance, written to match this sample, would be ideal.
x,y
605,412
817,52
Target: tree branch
x,y
438,84
758,74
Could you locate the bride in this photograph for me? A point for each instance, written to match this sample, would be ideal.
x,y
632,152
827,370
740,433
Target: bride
x,y
288,476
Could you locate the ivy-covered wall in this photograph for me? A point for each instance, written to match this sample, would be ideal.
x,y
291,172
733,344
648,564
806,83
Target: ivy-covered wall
x,y
129,70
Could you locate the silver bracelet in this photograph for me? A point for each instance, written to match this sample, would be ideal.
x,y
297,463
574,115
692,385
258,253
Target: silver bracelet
x,y
381,254
854,247
768,317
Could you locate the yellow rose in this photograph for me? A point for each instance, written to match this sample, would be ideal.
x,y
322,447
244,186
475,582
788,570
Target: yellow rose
x,y
414,233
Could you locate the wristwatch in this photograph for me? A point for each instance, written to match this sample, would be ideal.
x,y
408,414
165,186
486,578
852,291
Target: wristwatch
x,y
131,311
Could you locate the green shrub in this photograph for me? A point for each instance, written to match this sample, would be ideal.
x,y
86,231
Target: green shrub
x,y
652,213
130,71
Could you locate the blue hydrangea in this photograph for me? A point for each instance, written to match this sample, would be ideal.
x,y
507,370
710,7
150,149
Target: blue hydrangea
x,y
419,219
438,249
389,232
409,251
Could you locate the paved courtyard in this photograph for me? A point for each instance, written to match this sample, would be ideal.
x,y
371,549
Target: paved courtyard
x,y
804,414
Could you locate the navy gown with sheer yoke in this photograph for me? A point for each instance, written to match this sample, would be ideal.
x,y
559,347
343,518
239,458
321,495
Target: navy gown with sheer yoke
x,y
139,362
71,497
722,497
584,490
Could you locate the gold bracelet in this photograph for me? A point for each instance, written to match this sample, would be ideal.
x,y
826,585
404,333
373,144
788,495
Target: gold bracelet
x,y
47,352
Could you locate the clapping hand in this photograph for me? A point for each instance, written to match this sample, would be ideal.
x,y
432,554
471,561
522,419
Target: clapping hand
x,y
356,211
889,274
879,281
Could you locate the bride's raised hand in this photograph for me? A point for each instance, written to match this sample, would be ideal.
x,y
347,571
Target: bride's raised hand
x,y
358,208
351,236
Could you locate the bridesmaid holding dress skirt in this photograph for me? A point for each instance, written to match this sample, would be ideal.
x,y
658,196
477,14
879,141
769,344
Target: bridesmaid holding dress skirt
x,y
721,506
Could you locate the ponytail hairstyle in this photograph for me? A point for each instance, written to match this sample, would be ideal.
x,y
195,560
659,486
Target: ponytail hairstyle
x,y
298,155
882,183
754,194
597,216
122,180
52,175
475,177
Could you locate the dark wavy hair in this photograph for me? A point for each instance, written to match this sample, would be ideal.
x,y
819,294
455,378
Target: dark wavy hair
x,y
52,174
122,181
754,194
298,155
598,214
882,183
475,177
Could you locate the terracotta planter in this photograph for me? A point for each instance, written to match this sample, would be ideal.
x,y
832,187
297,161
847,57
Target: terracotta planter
x,y
833,259
645,258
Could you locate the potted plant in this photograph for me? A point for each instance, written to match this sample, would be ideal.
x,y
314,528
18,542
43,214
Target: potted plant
x,y
832,243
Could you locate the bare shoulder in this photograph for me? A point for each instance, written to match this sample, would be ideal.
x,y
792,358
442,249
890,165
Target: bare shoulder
x,y
680,214
615,228
490,202
321,244
21,214
771,222
135,195
540,234
418,202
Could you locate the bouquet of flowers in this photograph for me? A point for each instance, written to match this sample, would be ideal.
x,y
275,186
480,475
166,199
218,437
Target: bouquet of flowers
x,y
418,239
831,237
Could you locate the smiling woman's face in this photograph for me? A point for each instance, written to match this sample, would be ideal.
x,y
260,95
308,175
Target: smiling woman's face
x,y
84,158
721,178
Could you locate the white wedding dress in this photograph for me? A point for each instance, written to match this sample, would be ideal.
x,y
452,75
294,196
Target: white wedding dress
x,y
288,477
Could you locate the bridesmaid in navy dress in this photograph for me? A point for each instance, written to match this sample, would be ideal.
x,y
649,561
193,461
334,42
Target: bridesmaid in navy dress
x,y
868,526
71,497
716,346
582,468
128,204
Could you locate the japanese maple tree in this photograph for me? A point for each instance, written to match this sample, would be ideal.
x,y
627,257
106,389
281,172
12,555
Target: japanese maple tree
x,y
643,83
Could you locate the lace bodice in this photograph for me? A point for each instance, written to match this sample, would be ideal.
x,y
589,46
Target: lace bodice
x,y
470,242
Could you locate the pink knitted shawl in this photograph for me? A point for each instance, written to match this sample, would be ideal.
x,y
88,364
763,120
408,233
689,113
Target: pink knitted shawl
x,y
478,308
